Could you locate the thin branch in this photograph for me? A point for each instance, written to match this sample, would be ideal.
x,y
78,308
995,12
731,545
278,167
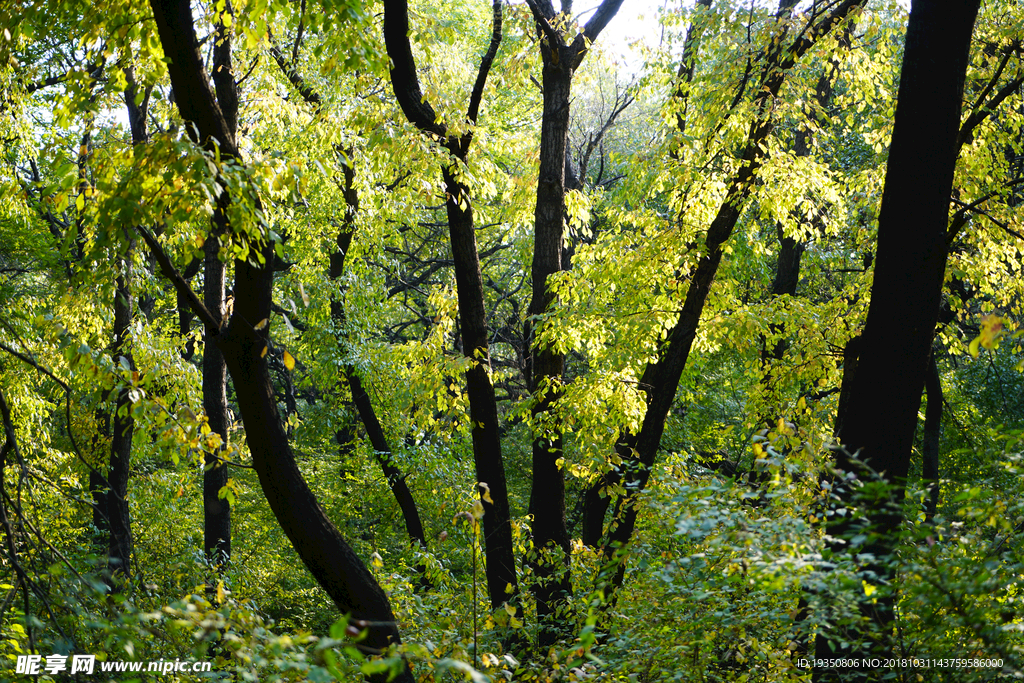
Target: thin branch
x,y
180,284
978,116
485,66
553,36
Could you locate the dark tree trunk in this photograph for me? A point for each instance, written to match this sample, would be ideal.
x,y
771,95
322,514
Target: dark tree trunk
x,y
116,498
121,438
483,407
932,434
544,366
217,510
368,416
660,379
332,562
878,421
502,583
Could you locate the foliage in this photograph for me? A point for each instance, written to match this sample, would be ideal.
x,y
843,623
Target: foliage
x,y
729,572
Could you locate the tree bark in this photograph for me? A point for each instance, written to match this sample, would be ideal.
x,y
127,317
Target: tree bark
x,y
932,434
544,365
116,498
217,510
876,426
121,439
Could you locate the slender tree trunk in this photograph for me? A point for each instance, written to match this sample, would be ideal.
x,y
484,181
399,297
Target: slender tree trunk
x,y
502,583
217,510
116,498
545,366
878,421
661,379
121,439
597,498
368,416
932,434
364,407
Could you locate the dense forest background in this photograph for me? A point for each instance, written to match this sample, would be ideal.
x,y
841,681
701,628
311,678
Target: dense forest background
x,y
344,339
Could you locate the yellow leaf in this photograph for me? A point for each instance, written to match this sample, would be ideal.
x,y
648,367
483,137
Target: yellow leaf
x,y
289,362
220,592
305,297
973,348
509,608
991,331
376,560
263,353
80,202
200,241
261,324
485,493
868,588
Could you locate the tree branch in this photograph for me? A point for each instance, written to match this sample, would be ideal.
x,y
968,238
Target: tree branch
x,y
485,66
403,70
180,284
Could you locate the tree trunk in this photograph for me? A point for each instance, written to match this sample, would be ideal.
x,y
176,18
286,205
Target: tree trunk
x,y
661,379
545,366
121,438
216,510
932,434
878,420
368,416
502,583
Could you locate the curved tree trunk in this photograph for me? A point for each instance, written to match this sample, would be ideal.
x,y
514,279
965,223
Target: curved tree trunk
x,y
502,583
661,379
332,562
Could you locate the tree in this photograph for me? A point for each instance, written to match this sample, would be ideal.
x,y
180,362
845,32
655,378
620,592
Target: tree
x,y
545,364
876,425
242,342
502,583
